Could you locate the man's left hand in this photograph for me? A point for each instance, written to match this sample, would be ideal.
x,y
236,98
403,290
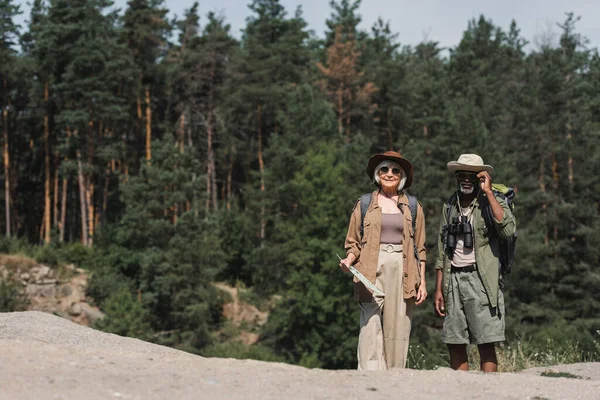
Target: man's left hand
x,y
421,294
485,181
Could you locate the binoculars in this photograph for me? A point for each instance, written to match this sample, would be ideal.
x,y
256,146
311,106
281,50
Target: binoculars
x,y
456,228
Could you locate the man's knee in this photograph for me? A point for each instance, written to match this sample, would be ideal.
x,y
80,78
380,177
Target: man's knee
x,y
487,352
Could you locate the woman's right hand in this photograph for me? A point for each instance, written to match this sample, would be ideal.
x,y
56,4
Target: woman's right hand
x,y
346,262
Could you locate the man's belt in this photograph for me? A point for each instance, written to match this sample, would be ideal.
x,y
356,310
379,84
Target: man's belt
x,y
468,268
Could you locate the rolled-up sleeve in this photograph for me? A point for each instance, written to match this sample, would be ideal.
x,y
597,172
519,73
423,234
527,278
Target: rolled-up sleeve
x,y
352,243
420,234
439,262
508,226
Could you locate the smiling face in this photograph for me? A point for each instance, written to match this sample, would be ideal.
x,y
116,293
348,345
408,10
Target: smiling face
x,y
466,181
390,176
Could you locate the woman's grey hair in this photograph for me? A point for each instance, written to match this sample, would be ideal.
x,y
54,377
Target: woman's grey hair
x,y
390,164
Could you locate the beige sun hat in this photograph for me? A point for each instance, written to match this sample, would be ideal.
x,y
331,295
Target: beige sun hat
x,y
469,162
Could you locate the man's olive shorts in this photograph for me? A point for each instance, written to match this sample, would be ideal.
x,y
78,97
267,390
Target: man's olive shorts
x,y
469,316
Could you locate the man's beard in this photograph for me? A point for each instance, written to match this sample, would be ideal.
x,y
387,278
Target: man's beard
x,y
467,191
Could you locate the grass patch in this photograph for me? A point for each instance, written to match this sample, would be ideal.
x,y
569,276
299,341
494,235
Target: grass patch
x,y
559,374
14,262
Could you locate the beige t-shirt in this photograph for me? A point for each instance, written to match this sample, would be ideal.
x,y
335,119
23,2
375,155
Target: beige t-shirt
x,y
463,256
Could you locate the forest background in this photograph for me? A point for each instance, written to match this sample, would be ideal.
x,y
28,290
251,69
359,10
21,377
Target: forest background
x,y
165,155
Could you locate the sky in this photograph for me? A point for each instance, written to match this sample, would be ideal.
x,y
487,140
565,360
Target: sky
x,y
442,21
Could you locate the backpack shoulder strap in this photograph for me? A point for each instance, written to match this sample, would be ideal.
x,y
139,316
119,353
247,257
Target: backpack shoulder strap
x,y
365,200
451,202
413,205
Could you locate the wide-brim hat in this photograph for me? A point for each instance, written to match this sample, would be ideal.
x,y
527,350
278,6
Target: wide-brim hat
x,y
469,162
392,156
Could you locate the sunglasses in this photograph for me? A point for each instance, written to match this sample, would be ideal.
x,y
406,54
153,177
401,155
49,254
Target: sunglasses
x,y
464,176
395,171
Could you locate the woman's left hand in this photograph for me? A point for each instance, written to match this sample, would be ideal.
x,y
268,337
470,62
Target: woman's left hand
x,y
422,293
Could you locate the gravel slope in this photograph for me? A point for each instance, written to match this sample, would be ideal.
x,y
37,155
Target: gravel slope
x,y
46,357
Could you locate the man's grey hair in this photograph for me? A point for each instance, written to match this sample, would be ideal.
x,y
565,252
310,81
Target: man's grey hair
x,y
390,164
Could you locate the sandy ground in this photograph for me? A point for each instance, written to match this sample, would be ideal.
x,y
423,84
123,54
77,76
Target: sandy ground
x,y
46,357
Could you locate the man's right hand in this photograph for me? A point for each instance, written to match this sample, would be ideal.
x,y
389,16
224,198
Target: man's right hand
x,y
439,303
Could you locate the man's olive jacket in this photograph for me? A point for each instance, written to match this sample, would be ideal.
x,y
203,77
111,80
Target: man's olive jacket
x,y
486,250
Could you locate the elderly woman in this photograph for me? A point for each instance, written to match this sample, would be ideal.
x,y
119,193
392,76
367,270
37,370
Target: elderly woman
x,y
385,247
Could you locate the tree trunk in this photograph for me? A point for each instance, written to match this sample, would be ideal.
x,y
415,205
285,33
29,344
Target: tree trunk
x,y
570,160
348,115
89,193
211,183
542,181
181,138
82,198
261,166
212,175
63,210
63,201
105,191
55,194
6,171
340,108
148,126
555,181
230,176
555,177
47,210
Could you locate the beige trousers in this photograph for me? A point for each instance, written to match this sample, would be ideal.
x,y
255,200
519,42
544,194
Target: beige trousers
x,y
385,322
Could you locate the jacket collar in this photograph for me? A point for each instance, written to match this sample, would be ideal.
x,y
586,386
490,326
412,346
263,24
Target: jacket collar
x,y
402,199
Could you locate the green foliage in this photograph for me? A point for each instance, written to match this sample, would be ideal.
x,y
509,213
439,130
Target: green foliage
x,y
125,316
13,245
12,297
318,297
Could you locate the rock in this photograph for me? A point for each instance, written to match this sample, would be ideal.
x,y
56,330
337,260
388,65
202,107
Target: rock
x,y
93,314
25,276
70,267
42,272
75,309
35,290
65,290
47,357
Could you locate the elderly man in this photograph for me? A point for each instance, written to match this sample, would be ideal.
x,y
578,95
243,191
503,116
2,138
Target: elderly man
x,y
468,293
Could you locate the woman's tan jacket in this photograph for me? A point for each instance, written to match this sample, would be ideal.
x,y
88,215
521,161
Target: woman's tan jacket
x,y
366,249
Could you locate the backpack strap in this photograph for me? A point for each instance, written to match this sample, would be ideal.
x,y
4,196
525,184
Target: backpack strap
x,y
506,246
412,204
450,203
365,200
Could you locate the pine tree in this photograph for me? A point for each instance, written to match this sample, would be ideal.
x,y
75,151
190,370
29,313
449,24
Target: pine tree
x,y
145,31
88,68
9,34
200,69
345,17
272,60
